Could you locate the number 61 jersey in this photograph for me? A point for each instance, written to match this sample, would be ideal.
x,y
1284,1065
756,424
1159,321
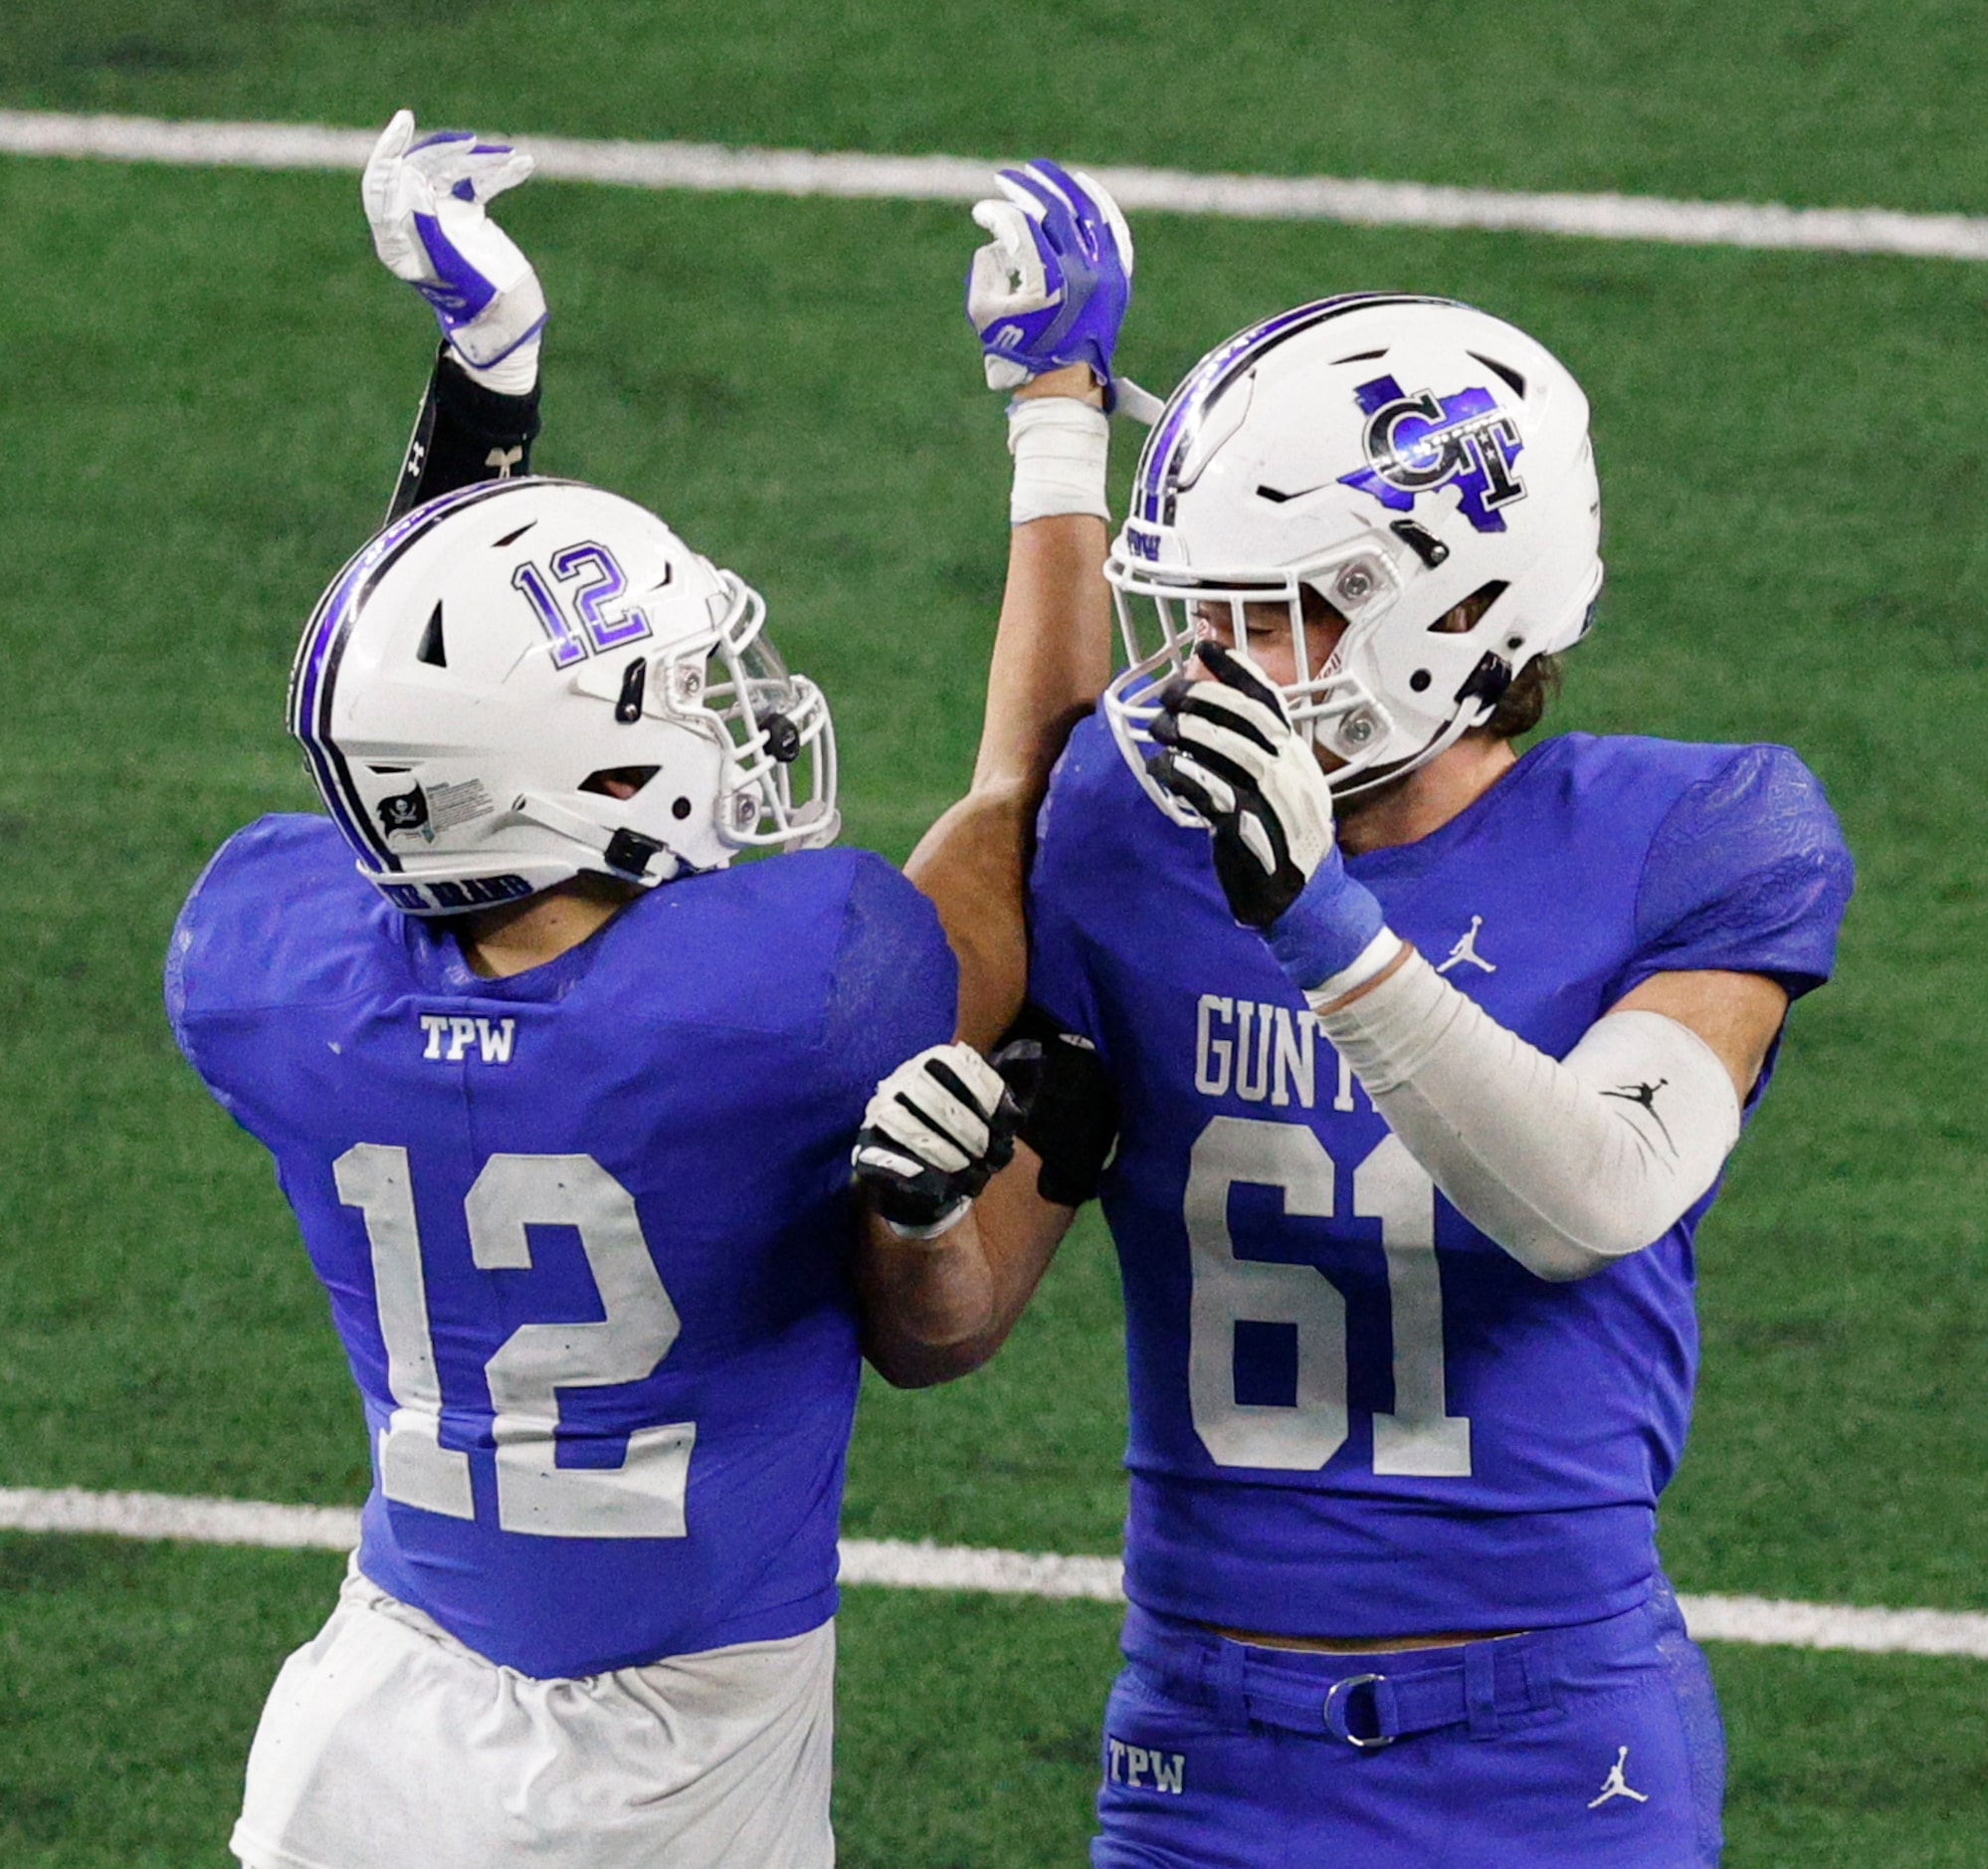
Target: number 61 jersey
x,y
1352,1413
585,1230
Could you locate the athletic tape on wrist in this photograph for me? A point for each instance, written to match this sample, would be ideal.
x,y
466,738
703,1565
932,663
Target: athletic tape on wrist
x,y
947,1221
513,374
1061,445
1371,960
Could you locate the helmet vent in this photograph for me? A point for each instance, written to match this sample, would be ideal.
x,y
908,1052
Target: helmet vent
x,y
1271,494
1360,356
1505,370
511,539
433,651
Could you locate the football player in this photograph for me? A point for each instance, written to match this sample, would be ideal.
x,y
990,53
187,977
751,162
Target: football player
x,y
1407,1066
564,1103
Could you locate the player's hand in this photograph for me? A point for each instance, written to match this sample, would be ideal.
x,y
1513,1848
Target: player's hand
x,y
938,1127
1052,285
1228,753
425,201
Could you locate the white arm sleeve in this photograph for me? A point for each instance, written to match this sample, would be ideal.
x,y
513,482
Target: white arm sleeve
x,y
1567,1165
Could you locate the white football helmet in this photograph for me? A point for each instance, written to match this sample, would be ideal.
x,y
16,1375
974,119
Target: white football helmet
x,y
475,676
1397,455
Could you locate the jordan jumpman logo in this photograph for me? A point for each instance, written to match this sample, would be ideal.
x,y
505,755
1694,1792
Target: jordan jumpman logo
x,y
1614,1784
1467,949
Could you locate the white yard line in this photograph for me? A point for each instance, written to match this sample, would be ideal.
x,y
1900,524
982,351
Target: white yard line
x,y
903,1566
713,167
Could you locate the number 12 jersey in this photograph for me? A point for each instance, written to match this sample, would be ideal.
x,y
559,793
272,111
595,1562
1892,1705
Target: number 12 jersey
x,y
585,1231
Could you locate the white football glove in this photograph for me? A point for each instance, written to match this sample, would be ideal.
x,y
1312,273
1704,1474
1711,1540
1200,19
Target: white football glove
x,y
938,1128
425,202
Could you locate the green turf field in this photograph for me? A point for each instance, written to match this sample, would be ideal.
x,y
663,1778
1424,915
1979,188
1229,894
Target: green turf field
x,y
205,382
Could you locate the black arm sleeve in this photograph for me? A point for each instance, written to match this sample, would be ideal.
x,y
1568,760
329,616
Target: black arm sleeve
x,y
1070,1113
465,433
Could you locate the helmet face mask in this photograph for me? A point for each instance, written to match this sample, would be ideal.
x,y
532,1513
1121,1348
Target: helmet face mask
x,y
476,671
1420,469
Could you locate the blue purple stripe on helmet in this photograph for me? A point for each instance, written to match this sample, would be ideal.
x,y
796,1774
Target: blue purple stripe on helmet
x,y
313,675
1165,452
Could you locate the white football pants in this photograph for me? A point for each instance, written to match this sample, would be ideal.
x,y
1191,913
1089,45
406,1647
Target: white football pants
x,y
387,1744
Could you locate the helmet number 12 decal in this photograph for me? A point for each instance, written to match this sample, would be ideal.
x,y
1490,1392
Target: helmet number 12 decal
x,y
598,621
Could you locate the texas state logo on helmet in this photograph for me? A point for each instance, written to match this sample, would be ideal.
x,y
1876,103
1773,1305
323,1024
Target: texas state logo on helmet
x,y
527,679
1397,456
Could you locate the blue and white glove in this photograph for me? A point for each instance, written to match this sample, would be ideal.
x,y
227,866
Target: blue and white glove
x,y
425,201
1231,756
1052,285
938,1127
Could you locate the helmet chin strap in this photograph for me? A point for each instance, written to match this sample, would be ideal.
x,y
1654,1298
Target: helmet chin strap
x,y
620,851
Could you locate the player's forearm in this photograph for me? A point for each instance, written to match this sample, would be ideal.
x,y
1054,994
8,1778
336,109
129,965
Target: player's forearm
x,y
1051,657
927,1304
938,1319
463,432
1052,648
1568,1163
1053,643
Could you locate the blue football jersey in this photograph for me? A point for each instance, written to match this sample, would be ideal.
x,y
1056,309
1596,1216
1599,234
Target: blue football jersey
x,y
1352,1412
585,1231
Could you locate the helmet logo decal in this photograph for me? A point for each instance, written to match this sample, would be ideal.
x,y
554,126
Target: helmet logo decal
x,y
605,625
1417,444
434,809
406,811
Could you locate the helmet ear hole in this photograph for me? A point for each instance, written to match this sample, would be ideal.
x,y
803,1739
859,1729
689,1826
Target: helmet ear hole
x,y
1460,619
619,782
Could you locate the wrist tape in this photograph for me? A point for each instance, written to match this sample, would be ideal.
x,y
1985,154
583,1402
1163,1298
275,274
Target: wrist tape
x,y
1060,445
515,373
1566,1163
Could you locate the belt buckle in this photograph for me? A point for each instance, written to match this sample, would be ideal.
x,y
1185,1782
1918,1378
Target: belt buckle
x,y
1335,1711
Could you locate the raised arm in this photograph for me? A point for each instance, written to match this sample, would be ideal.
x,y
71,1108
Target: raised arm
x,y
1046,295
425,202
949,1258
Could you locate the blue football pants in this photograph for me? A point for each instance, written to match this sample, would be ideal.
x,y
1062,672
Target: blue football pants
x,y
1593,1746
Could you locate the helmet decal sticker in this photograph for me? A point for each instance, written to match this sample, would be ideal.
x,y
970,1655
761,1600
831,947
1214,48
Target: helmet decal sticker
x,y
406,811
433,809
1168,446
1418,444
606,622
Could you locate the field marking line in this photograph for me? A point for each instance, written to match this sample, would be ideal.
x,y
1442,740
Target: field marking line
x,y
901,1564
713,167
